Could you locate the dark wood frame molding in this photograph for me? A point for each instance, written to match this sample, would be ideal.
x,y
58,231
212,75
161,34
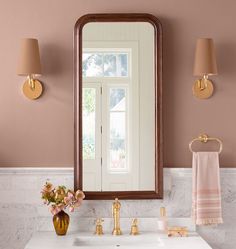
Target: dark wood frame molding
x,y
78,161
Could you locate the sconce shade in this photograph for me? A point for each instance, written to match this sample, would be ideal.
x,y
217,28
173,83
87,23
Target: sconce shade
x,y
205,59
29,58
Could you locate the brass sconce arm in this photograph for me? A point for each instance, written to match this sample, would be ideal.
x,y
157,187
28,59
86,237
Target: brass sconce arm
x,y
31,82
202,84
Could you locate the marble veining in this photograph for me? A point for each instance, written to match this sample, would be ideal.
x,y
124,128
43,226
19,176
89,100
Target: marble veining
x,y
22,212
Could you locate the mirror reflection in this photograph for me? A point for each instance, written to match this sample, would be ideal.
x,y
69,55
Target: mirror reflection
x,y
118,105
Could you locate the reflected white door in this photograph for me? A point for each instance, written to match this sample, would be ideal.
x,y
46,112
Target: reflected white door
x,y
117,171
116,117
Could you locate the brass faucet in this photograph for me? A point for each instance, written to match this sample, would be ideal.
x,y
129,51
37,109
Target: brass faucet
x,y
116,215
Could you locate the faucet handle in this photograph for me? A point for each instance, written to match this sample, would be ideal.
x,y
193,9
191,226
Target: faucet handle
x,y
134,227
99,228
135,222
99,221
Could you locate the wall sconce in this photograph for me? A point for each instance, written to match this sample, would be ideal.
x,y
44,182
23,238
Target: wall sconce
x,y
204,65
29,65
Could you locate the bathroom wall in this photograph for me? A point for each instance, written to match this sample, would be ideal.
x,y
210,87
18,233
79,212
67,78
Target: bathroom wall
x,y
40,133
22,212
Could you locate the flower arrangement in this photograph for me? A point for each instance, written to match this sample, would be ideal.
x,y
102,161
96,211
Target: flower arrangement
x,y
59,198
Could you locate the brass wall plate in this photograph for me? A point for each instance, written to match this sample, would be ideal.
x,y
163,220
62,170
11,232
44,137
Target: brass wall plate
x,y
203,93
32,93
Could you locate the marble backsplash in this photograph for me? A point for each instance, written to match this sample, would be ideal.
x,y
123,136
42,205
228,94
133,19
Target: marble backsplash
x,y
22,212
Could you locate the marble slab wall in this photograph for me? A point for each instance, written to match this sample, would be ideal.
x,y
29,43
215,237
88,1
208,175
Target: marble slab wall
x,y
22,212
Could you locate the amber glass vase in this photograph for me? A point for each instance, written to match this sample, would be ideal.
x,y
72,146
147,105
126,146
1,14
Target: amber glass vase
x,y
61,222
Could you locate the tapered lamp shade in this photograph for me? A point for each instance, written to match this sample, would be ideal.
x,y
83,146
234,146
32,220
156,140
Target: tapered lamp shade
x,y
29,58
205,59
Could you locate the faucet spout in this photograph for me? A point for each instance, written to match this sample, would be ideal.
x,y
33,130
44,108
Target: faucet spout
x,y
116,215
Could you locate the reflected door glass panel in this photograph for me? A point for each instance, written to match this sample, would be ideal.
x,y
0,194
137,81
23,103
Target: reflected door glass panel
x,y
118,130
89,101
91,136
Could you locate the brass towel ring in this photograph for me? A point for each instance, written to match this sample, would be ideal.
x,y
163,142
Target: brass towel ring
x,y
204,139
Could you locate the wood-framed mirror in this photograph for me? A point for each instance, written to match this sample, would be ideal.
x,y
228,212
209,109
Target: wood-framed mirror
x,y
118,106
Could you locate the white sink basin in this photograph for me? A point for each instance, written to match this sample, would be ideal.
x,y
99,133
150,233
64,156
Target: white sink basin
x,y
119,241
148,240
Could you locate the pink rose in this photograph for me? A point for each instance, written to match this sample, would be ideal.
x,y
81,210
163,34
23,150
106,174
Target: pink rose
x,y
69,198
48,187
71,209
79,195
77,203
70,195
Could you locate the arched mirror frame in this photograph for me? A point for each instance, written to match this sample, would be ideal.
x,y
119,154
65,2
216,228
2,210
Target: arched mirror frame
x,y
78,159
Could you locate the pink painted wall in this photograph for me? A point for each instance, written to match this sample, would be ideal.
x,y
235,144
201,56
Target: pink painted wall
x,y
40,133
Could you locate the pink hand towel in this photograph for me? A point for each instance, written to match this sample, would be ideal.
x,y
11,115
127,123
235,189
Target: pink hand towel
x,y
206,192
